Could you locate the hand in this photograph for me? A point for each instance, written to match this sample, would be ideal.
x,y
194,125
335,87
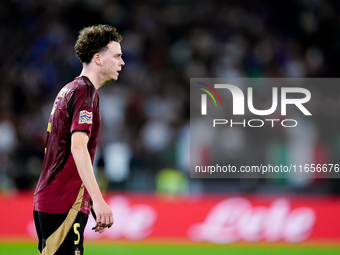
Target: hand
x,y
103,216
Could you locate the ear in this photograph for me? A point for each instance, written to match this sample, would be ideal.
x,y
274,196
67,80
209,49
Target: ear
x,y
97,58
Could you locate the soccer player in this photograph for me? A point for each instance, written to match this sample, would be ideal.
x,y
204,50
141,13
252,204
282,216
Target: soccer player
x,y
67,190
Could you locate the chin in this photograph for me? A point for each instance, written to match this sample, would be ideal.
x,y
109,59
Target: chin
x,y
113,79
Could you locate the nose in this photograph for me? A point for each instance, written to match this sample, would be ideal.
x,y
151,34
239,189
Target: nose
x,y
122,62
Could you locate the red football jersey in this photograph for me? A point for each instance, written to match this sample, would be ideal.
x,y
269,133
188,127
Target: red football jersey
x,y
76,108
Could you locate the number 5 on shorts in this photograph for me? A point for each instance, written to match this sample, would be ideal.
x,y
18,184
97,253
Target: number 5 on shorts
x,y
75,228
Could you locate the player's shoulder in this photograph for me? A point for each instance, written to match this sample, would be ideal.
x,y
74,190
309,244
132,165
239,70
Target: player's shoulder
x,y
80,85
84,86
83,90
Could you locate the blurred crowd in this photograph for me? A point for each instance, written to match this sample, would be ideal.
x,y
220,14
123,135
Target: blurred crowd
x,y
145,114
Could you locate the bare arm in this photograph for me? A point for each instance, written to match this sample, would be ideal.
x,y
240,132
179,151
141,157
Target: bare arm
x,y
104,217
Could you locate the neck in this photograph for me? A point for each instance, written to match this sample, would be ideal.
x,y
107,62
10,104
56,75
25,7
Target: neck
x,y
93,76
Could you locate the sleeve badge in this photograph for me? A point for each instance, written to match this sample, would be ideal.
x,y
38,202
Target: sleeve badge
x,y
85,117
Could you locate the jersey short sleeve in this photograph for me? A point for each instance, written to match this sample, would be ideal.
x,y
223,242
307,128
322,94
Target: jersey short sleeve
x,y
81,108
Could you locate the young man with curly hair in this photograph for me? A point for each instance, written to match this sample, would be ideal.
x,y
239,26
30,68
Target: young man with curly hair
x,y
67,190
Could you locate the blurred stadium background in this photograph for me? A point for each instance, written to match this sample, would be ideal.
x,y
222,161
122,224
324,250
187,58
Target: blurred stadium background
x,y
142,162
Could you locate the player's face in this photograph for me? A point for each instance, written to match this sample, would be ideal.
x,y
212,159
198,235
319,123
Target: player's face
x,y
112,61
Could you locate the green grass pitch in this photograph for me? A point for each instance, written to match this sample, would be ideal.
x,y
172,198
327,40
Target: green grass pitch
x,y
16,248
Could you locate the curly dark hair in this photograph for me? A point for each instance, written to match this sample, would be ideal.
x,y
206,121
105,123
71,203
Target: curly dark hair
x,y
94,39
